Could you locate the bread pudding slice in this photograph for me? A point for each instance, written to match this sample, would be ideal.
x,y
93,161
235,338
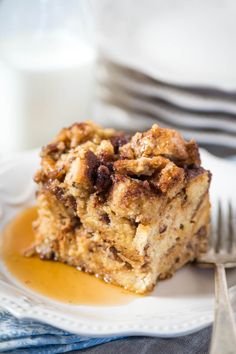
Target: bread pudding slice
x,y
129,209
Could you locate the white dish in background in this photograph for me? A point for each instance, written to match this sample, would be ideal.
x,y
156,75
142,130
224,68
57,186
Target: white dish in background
x,y
177,306
118,111
136,83
190,44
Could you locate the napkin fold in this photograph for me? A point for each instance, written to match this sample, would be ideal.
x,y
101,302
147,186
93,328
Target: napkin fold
x,y
25,335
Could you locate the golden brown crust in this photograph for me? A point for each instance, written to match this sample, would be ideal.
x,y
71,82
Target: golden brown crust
x,y
104,194
100,157
160,141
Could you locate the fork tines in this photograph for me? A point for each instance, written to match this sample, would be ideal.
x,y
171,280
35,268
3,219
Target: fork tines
x,y
224,238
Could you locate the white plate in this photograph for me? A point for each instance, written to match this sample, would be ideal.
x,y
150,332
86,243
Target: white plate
x,y
178,306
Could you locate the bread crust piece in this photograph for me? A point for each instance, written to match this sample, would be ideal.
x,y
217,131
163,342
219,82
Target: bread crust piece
x,y
130,209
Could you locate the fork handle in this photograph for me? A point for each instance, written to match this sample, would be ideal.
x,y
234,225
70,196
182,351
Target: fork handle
x,y
224,328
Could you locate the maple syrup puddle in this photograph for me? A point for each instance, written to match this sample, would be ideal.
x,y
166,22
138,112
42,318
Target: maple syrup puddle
x,y
53,279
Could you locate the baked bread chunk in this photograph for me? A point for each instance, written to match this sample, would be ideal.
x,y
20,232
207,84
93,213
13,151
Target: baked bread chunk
x,y
129,209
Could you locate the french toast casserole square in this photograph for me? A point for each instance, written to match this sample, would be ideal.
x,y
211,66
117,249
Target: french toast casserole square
x,y
129,209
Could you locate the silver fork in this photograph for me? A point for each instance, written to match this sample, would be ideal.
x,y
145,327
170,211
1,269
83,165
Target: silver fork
x,y
222,254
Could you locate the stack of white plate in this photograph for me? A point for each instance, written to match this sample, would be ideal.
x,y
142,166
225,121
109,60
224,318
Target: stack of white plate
x,y
176,69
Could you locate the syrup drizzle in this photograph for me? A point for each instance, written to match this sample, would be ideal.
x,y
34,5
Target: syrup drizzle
x,y
53,279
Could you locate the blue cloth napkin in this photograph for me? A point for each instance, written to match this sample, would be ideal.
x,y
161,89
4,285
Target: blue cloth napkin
x,y
29,336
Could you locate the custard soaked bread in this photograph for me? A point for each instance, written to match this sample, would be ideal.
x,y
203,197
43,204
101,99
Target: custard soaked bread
x,y
131,210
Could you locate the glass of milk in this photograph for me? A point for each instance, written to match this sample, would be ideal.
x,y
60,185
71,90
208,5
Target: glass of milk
x,y
47,69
